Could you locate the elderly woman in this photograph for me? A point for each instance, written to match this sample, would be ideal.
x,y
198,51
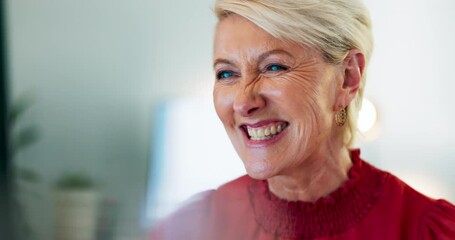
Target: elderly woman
x,y
289,81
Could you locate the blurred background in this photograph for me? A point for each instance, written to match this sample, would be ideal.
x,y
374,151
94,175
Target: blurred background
x,y
111,123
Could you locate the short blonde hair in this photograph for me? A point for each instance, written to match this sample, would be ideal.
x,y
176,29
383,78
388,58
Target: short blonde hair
x,y
334,27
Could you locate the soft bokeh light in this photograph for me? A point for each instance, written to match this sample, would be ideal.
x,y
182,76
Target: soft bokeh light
x,y
367,116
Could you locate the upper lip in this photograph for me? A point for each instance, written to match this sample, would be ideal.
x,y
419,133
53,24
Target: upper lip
x,y
258,124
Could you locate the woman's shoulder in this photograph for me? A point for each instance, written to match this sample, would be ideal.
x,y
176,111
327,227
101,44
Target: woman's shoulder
x,y
392,189
428,217
397,189
438,221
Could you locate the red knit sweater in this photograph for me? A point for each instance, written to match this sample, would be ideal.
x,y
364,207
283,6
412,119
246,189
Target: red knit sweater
x,y
372,204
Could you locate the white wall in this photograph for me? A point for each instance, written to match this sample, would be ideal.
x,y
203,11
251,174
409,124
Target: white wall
x,y
412,82
97,68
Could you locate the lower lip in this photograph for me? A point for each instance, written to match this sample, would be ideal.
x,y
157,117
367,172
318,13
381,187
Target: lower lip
x,y
265,142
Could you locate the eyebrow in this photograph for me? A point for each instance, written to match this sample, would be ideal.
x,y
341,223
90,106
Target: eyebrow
x,y
221,60
260,58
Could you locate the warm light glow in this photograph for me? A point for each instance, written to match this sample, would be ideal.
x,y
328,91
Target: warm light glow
x,y
367,116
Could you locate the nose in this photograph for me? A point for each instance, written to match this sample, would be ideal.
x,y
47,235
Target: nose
x,y
248,102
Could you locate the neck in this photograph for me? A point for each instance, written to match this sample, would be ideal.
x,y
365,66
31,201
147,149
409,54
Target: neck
x,y
320,174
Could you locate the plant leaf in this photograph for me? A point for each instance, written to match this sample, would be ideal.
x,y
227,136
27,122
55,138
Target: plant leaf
x,y
18,108
25,138
28,175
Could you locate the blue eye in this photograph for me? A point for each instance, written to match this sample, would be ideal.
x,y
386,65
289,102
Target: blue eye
x,y
224,74
275,68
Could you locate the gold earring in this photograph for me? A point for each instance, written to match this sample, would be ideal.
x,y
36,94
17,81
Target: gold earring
x,y
341,116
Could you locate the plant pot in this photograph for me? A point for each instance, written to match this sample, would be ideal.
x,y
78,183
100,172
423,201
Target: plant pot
x,y
76,214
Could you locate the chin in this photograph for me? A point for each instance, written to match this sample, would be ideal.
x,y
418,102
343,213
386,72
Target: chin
x,y
258,176
259,170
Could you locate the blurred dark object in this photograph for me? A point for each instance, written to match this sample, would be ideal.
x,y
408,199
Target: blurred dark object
x,y
23,182
5,223
13,138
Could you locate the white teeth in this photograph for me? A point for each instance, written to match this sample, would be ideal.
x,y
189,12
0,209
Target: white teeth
x,y
273,130
251,132
265,133
260,133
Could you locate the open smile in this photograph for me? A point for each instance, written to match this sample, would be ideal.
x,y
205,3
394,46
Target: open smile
x,y
261,131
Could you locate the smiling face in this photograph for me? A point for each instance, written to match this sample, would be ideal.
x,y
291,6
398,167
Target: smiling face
x,y
276,98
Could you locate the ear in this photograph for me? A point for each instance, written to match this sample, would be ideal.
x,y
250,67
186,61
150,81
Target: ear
x,y
353,66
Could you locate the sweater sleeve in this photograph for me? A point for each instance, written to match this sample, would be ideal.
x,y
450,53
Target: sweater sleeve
x,y
187,222
438,221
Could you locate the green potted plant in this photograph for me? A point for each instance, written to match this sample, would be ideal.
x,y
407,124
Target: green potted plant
x,y
76,207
